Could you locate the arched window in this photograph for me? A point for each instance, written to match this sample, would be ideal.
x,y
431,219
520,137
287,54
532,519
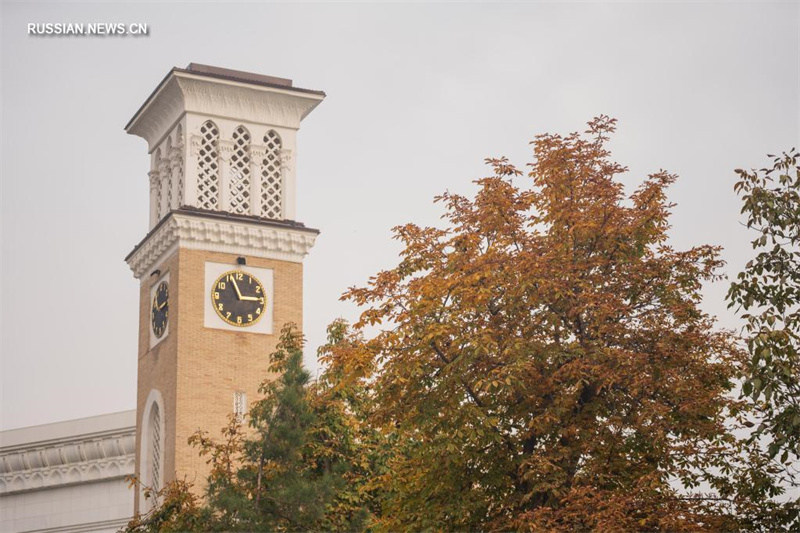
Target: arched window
x,y
271,188
240,172
151,450
154,453
208,167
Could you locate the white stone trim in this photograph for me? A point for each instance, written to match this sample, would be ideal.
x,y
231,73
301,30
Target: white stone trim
x,y
197,232
68,460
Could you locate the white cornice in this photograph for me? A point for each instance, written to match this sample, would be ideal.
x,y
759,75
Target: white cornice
x,y
66,461
218,234
114,524
183,92
159,114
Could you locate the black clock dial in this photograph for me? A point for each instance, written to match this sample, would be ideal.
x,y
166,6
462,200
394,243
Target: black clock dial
x,y
239,298
160,312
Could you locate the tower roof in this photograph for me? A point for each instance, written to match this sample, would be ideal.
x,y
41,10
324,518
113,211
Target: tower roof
x,y
190,89
239,75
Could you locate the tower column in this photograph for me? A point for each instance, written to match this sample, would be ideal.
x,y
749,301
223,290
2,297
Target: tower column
x,y
165,174
191,151
176,173
155,183
287,188
225,153
257,154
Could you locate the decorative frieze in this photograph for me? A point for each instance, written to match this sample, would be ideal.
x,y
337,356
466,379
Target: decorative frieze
x,y
198,231
66,461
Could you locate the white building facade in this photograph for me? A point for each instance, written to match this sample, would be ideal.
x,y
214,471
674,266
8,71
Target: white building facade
x,y
68,476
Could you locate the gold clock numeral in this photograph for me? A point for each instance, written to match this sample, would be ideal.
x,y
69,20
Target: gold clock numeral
x,y
220,307
238,319
216,295
228,314
221,285
239,276
258,311
249,317
258,289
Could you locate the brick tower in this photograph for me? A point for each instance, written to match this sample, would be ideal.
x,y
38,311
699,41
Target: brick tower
x,y
220,269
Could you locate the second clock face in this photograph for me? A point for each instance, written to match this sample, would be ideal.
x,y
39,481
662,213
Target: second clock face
x,y
238,298
160,312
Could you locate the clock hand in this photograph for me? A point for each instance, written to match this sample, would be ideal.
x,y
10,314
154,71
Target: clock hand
x,y
250,298
162,306
235,286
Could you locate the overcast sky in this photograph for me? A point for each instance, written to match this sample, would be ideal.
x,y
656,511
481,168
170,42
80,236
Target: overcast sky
x,y
418,96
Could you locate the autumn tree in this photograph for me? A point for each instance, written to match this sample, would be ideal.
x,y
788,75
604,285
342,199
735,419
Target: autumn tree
x,y
543,364
768,294
345,435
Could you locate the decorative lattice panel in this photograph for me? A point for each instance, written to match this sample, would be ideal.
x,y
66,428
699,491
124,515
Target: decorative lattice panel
x,y
240,172
208,167
271,192
155,447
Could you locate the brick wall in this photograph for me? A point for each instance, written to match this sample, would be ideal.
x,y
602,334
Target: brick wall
x,y
198,369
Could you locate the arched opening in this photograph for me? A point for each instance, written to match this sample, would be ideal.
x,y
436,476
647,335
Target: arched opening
x,y
151,454
271,180
240,172
208,167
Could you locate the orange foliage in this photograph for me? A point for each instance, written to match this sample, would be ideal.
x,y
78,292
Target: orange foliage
x,y
543,363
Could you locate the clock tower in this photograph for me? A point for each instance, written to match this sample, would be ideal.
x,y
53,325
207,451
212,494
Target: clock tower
x,y
220,268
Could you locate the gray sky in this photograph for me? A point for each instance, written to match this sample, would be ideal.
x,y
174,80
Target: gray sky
x,y
418,95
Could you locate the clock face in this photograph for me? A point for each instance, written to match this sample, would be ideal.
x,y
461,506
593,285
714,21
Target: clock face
x,y
238,298
159,314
